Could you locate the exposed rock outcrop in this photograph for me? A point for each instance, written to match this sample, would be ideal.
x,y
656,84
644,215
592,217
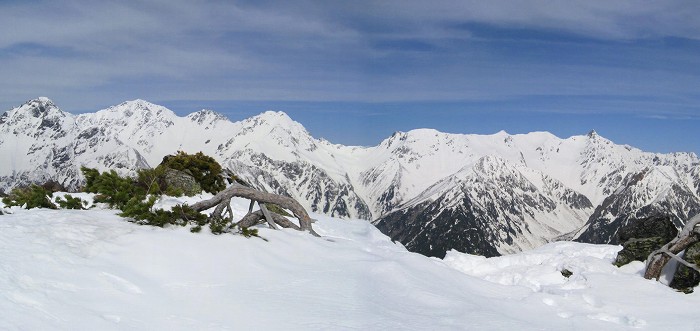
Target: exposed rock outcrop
x,y
641,237
686,278
181,181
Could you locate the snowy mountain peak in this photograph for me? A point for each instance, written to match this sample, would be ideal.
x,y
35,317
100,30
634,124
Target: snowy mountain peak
x,y
136,113
140,107
206,116
41,100
35,116
38,107
273,118
592,134
280,127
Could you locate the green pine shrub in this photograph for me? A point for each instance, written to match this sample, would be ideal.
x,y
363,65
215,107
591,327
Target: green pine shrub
x,y
30,197
70,202
174,192
111,188
139,208
151,180
248,232
185,214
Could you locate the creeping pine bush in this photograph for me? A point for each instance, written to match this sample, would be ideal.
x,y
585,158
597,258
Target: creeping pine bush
x,y
30,197
111,188
70,202
130,196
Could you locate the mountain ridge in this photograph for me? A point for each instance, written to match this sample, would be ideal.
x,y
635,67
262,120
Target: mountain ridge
x,y
549,177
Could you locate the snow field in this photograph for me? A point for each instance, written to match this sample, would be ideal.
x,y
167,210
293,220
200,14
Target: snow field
x,y
80,270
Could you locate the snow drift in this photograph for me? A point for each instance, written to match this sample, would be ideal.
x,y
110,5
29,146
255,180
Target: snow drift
x,y
68,270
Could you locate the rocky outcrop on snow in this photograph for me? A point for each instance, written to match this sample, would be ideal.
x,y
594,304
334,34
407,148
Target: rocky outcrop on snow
x,y
686,279
181,181
642,236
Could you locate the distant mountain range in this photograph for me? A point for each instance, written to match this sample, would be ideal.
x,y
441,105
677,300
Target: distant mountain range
x,y
432,191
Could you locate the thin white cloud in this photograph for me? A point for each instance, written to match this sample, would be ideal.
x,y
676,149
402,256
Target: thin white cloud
x,y
82,51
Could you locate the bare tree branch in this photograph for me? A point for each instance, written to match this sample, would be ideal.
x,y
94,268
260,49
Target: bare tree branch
x,y
268,217
258,218
238,190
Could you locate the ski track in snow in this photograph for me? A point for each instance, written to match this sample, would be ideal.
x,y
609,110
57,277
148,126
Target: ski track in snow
x,y
80,270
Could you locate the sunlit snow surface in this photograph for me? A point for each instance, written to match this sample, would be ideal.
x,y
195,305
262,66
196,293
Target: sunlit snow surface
x,y
92,270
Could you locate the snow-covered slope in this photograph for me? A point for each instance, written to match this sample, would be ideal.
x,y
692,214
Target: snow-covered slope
x,y
492,194
92,270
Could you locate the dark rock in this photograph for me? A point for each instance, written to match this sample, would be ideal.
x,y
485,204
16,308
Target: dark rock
x,y
641,237
654,226
54,186
179,180
685,278
638,249
566,273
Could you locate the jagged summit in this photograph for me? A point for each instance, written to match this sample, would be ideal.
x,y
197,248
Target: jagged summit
x,y
207,116
36,118
138,107
38,106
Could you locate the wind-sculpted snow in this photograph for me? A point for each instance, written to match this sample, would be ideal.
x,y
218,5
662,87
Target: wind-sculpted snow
x,y
499,192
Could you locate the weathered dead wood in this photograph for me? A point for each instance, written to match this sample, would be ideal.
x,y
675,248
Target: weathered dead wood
x,y
268,216
218,211
238,190
230,211
658,258
250,207
258,217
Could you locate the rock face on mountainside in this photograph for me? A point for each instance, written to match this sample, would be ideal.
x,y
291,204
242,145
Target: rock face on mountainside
x,y
651,191
491,208
432,191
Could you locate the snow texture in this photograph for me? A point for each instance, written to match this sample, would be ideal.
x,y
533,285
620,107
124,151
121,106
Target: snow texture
x,y
92,270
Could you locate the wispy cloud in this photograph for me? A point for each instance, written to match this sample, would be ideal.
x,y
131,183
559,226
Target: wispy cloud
x,y
92,54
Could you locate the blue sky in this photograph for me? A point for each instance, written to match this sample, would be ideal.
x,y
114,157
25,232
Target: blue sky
x,y
353,72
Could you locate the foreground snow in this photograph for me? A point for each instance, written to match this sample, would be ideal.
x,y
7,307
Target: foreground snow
x,y
80,270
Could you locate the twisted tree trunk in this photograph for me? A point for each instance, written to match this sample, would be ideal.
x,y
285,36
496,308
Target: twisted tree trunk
x,y
658,258
238,190
258,217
